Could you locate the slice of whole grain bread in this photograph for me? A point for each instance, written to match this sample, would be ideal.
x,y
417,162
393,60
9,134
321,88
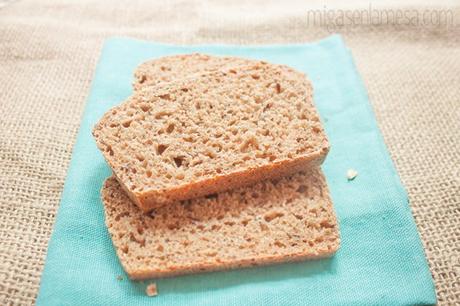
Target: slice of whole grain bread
x,y
274,221
212,132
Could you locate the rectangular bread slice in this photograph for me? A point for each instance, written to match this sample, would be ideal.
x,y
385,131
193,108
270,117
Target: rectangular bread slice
x,y
212,132
291,219
171,68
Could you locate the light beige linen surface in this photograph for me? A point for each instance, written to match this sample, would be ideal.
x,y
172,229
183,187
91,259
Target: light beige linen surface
x,y
48,52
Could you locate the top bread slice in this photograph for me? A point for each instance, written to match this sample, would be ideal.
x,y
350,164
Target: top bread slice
x,y
212,132
170,68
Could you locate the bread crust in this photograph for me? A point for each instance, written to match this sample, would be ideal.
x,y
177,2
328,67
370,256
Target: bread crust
x,y
229,265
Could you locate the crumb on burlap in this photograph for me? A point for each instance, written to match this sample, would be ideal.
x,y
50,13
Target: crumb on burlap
x,y
151,289
119,277
351,174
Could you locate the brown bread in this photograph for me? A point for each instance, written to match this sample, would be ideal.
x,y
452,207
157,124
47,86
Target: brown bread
x,y
290,219
212,132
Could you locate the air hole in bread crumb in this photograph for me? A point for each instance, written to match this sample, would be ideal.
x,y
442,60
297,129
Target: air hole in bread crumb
x,y
148,173
142,79
161,148
211,196
161,114
184,89
145,107
278,88
326,224
246,157
273,215
210,154
299,217
165,97
173,226
178,161
279,244
267,106
302,189
121,215
125,249
216,227
255,76
109,150
263,227
126,123
319,239
170,128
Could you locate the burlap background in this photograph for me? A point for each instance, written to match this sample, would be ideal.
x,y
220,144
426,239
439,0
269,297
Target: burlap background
x,y
48,52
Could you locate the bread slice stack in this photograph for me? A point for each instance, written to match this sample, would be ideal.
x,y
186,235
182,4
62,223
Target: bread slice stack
x,y
215,166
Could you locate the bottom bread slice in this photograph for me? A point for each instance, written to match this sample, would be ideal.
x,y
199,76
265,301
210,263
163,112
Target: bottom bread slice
x,y
290,219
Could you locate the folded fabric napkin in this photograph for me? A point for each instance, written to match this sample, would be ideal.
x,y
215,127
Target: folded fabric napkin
x,y
381,259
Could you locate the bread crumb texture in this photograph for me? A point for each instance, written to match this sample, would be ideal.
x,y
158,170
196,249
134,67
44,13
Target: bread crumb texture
x,y
283,220
166,139
170,68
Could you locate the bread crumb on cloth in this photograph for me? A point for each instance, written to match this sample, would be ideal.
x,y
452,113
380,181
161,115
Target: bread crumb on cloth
x,y
352,174
151,290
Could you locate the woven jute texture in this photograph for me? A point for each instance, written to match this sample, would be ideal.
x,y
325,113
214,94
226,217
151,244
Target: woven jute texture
x,y
48,52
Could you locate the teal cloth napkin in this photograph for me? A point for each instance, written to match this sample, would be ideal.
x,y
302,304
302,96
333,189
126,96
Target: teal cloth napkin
x,y
381,259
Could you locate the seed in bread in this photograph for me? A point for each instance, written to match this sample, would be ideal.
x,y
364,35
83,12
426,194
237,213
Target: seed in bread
x,y
212,132
290,219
